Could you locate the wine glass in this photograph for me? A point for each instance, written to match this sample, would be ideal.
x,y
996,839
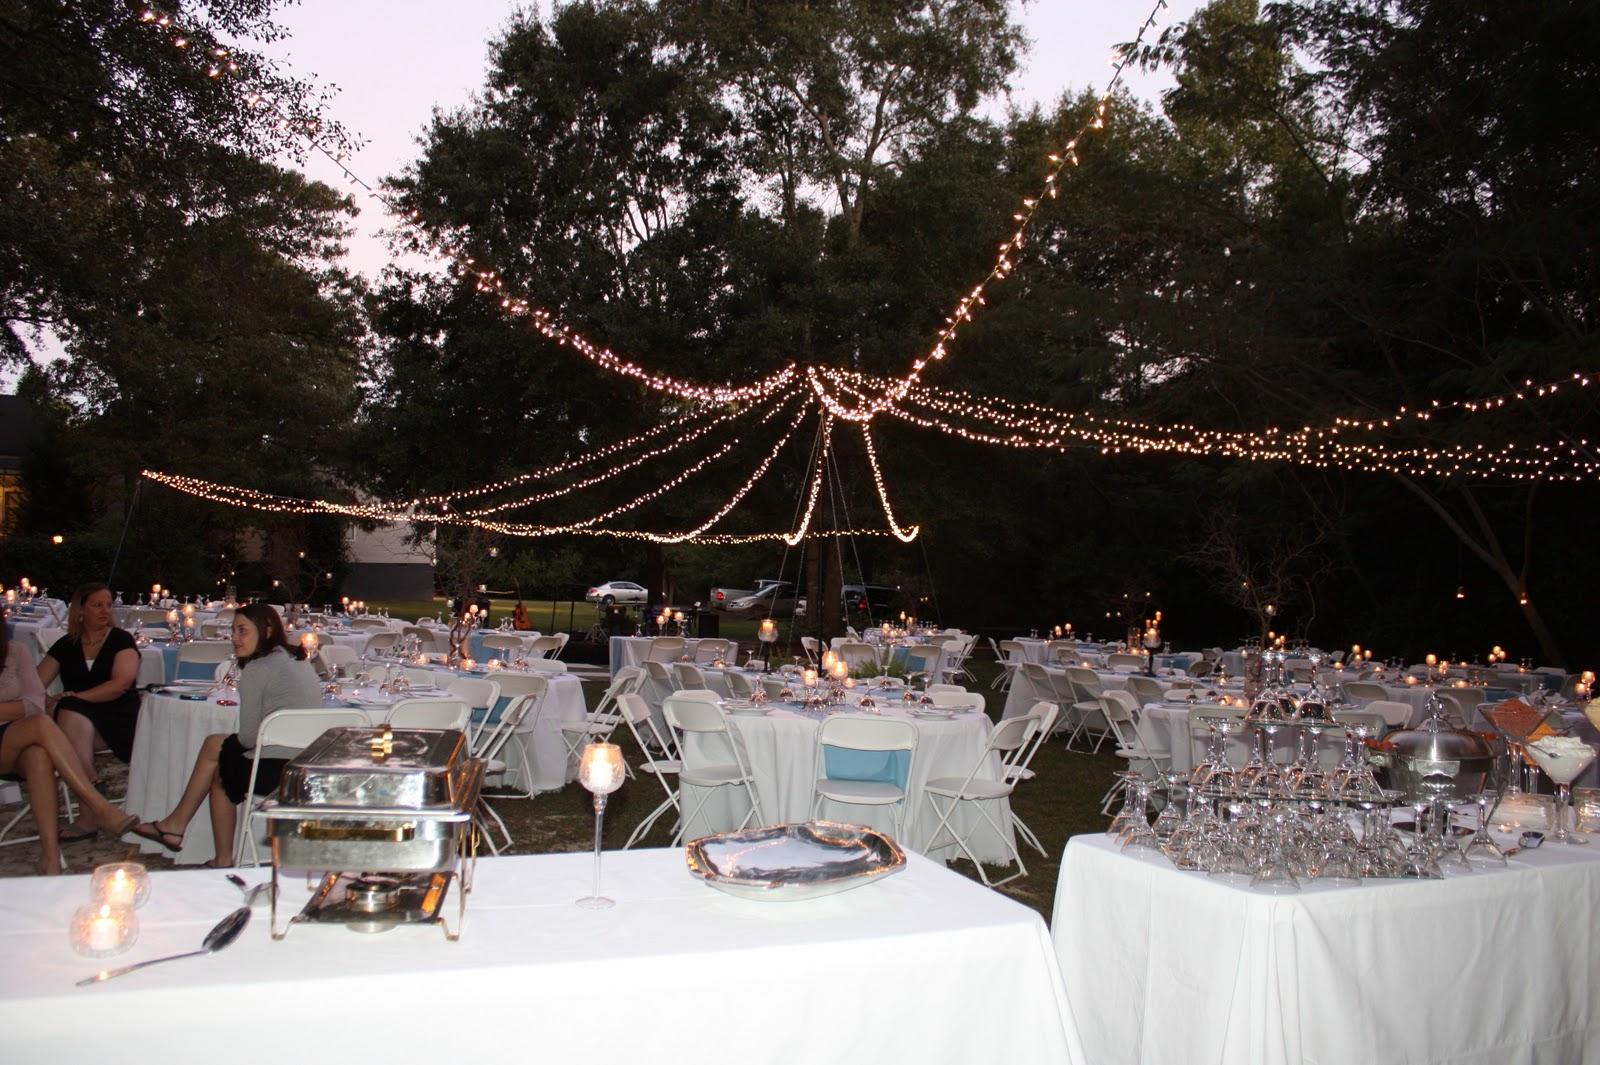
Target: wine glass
x,y
1482,847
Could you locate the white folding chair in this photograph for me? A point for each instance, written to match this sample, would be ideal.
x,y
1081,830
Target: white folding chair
x,y
431,713
203,655
511,687
812,649
1009,655
1362,692
428,639
290,731
740,686
636,712
336,656
1087,689
693,713
960,699
511,646
687,675
380,641
713,648
666,649
599,723
1145,690
546,646
1046,713
1395,714
479,693
925,660
1008,739
873,782
858,655
1124,662
493,737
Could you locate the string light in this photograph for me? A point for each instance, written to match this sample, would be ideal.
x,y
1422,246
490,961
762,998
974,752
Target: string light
x,y
997,421
905,536
816,483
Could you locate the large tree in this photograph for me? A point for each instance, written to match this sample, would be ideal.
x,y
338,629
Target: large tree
x,y
178,288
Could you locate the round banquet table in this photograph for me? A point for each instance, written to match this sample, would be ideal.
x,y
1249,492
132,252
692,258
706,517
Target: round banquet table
x,y
781,748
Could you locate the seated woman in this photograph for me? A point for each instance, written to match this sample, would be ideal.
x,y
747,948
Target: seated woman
x,y
273,675
35,749
98,664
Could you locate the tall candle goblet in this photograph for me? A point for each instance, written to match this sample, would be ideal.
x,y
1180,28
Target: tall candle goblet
x,y
600,770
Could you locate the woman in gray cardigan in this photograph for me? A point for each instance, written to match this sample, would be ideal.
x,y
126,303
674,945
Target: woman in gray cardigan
x,y
273,676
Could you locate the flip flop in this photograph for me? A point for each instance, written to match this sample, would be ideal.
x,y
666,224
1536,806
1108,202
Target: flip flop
x,y
72,835
149,831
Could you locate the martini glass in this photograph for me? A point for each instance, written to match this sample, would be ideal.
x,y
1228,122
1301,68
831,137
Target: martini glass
x,y
1562,758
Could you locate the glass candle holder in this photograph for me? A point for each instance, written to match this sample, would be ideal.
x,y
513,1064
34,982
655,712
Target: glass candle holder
x,y
101,930
120,884
600,770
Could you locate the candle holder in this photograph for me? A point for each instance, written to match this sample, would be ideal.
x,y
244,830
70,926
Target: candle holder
x,y
100,930
124,884
600,770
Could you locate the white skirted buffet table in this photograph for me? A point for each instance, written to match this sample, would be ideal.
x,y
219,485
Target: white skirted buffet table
x,y
922,966
1164,967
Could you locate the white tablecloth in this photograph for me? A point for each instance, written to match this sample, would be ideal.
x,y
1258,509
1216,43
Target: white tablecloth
x,y
1165,967
632,650
1023,693
924,966
168,738
781,746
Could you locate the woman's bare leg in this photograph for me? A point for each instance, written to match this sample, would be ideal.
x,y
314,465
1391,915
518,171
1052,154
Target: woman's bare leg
x,y
43,732
202,783
224,821
40,778
80,731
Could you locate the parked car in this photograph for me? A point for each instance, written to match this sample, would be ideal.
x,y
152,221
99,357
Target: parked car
x,y
869,601
616,592
775,600
720,598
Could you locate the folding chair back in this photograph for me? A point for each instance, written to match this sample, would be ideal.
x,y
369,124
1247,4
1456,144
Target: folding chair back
x,y
864,760
740,686
335,656
688,675
430,713
496,641
666,649
546,646
381,641
293,730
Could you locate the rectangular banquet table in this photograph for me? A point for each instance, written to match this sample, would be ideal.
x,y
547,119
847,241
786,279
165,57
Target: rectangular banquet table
x,y
1487,968
922,966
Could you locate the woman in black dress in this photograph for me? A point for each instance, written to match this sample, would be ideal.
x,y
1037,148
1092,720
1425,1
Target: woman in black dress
x,y
99,666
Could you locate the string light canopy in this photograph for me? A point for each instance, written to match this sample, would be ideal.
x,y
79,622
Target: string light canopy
x,y
847,396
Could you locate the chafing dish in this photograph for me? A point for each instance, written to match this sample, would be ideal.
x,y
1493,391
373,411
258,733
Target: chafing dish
x,y
1435,761
387,815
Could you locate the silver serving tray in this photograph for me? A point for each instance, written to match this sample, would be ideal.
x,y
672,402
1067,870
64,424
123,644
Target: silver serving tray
x,y
783,863
421,769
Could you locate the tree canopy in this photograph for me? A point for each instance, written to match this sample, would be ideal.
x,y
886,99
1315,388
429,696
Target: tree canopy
x,y
1341,208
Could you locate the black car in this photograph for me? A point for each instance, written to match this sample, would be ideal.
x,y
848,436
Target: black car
x,y
874,601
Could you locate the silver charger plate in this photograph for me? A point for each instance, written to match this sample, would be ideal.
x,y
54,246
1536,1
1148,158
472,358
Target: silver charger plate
x,y
784,863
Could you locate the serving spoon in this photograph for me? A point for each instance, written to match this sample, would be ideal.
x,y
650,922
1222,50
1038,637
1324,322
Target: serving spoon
x,y
225,932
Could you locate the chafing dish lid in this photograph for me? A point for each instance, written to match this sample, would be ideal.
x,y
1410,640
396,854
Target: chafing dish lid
x,y
415,769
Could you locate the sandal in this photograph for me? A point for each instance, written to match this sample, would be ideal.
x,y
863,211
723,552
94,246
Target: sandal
x,y
212,863
120,829
76,835
155,834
